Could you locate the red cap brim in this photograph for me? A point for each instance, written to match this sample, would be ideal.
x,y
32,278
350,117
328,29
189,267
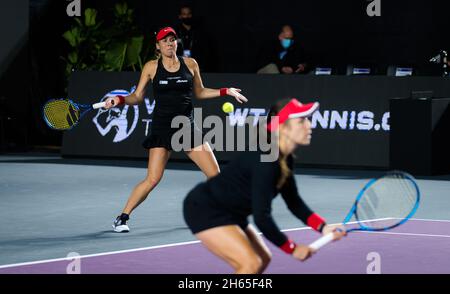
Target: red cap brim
x,y
304,110
294,109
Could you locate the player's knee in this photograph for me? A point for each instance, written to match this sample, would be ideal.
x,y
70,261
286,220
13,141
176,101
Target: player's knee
x,y
266,258
152,181
252,265
213,172
216,170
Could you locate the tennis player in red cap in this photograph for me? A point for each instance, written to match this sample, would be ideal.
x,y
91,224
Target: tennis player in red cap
x,y
175,81
216,211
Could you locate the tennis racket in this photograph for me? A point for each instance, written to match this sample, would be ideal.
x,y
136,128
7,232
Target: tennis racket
x,y
64,114
383,204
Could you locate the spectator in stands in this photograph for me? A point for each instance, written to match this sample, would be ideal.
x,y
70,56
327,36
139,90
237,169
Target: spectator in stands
x,y
192,40
285,55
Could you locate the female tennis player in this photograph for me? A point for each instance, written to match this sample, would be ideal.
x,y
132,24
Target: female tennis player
x,y
216,211
175,80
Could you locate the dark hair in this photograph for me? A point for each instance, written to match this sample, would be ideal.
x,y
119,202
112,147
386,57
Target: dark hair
x,y
286,25
285,170
277,107
185,5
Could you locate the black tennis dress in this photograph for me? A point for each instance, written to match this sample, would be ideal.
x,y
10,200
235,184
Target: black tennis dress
x,y
173,93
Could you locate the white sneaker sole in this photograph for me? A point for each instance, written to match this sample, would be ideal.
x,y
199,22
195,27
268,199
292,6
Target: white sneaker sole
x,y
121,229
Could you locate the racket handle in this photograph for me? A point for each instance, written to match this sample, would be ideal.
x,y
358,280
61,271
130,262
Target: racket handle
x,y
316,245
99,105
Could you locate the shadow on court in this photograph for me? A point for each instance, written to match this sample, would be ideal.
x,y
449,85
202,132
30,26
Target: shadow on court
x,y
137,233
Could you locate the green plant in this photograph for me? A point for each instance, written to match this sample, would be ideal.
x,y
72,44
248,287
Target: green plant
x,y
94,46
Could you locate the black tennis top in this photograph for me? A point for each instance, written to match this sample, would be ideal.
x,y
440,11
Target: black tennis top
x,y
247,186
173,93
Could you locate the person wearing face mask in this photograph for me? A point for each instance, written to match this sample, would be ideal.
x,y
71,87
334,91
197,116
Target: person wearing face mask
x,y
185,32
192,41
283,56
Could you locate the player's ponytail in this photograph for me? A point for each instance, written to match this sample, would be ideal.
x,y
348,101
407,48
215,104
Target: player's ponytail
x,y
285,170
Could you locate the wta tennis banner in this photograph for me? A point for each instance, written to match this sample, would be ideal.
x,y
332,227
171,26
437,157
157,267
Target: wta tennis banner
x,y
350,129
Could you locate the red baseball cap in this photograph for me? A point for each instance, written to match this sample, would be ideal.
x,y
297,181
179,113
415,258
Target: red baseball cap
x,y
294,109
164,33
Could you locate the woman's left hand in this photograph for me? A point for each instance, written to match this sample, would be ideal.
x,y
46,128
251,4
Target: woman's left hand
x,y
237,95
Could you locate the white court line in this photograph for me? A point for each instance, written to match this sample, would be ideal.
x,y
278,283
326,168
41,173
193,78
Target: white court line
x,y
349,223
149,248
405,234
136,249
427,220
98,254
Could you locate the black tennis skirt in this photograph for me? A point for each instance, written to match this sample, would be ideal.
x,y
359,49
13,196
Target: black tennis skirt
x,y
202,213
161,137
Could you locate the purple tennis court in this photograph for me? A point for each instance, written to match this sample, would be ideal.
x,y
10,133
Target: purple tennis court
x,y
419,246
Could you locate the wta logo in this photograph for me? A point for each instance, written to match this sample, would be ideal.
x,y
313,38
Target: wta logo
x,y
117,120
327,119
350,120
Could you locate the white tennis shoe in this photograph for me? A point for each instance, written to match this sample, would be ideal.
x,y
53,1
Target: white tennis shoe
x,y
120,225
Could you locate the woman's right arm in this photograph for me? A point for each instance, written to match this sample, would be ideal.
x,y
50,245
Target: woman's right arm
x,y
148,72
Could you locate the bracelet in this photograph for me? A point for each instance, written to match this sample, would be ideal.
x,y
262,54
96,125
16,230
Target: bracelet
x,y
288,246
223,91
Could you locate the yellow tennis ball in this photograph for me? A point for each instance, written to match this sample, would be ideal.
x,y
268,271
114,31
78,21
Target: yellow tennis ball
x,y
227,107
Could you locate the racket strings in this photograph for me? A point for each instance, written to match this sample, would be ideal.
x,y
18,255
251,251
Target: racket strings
x,y
391,199
61,114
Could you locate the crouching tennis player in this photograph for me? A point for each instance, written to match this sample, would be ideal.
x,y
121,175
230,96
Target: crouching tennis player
x,y
216,211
